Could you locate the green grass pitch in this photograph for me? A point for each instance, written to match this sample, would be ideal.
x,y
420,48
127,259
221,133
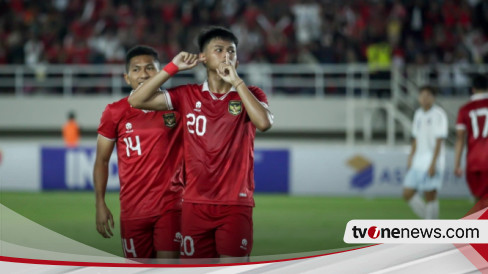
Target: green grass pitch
x,y
282,224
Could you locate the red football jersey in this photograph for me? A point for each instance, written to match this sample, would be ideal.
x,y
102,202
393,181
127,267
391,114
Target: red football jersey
x,y
473,117
219,144
149,153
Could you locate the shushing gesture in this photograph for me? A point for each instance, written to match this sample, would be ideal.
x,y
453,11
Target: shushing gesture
x,y
227,71
186,60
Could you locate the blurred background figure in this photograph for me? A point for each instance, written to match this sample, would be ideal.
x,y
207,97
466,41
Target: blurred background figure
x,y
427,156
71,131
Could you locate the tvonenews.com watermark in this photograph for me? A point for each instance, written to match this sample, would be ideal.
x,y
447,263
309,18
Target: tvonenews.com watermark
x,y
416,231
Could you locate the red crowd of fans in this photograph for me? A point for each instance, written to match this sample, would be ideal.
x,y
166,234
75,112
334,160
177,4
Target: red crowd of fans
x,y
290,31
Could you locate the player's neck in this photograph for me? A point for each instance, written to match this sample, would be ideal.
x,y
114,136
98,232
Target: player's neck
x,y
217,85
427,108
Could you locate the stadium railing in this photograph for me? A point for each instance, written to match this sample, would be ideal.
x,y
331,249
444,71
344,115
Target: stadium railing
x,y
390,91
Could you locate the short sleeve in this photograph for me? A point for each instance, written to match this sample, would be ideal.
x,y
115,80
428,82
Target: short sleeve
x,y
173,97
460,122
260,95
415,124
441,130
108,127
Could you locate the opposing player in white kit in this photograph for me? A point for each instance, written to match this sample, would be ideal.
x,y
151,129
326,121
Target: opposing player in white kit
x,y
426,160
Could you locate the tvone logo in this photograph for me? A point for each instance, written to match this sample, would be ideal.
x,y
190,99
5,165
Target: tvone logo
x,y
373,232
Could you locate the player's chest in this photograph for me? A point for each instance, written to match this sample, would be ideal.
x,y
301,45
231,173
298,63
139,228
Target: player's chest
x,y
203,116
426,123
147,123
228,108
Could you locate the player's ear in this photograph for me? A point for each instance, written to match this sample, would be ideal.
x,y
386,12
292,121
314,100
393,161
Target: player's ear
x,y
126,78
202,57
237,63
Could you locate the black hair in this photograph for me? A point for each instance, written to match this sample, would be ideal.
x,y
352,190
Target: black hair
x,y
140,50
429,88
215,32
479,82
71,115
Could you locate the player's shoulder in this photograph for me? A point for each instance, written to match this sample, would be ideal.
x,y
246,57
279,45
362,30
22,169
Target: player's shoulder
x,y
466,107
255,89
258,92
122,103
438,109
187,87
118,107
418,112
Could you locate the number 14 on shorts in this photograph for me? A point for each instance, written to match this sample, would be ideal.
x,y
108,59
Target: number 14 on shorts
x,y
129,247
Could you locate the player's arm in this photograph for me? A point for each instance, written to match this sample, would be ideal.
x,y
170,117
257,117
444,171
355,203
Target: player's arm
x,y
437,149
147,95
441,129
413,148
104,218
260,116
458,150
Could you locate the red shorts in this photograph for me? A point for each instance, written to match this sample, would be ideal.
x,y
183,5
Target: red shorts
x,y
213,230
142,238
478,183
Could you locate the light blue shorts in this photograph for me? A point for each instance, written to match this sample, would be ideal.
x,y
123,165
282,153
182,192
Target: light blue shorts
x,y
421,181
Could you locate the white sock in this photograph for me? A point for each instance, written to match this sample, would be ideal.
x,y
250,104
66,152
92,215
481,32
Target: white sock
x,y
432,210
417,205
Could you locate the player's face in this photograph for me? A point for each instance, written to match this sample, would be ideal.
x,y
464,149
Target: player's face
x,y
141,68
426,99
216,50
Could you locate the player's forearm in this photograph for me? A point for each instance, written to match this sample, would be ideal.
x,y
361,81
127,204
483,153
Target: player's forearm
x,y
458,148
437,150
100,178
143,96
413,148
458,151
259,115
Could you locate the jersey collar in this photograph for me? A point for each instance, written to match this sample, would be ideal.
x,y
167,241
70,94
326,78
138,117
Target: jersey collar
x,y
205,88
479,96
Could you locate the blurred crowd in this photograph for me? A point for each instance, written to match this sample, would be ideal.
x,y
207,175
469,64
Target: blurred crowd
x,y
385,32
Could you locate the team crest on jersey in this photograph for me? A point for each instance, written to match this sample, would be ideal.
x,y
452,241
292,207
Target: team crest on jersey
x,y
169,119
235,107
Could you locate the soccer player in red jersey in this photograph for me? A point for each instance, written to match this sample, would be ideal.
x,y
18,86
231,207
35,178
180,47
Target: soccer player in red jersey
x,y
150,159
472,125
221,117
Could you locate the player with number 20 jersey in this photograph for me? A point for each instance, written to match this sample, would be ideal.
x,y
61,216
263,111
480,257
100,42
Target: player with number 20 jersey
x,y
218,135
220,118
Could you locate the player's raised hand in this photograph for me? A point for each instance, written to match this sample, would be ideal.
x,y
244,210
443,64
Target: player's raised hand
x,y
227,71
105,221
185,60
